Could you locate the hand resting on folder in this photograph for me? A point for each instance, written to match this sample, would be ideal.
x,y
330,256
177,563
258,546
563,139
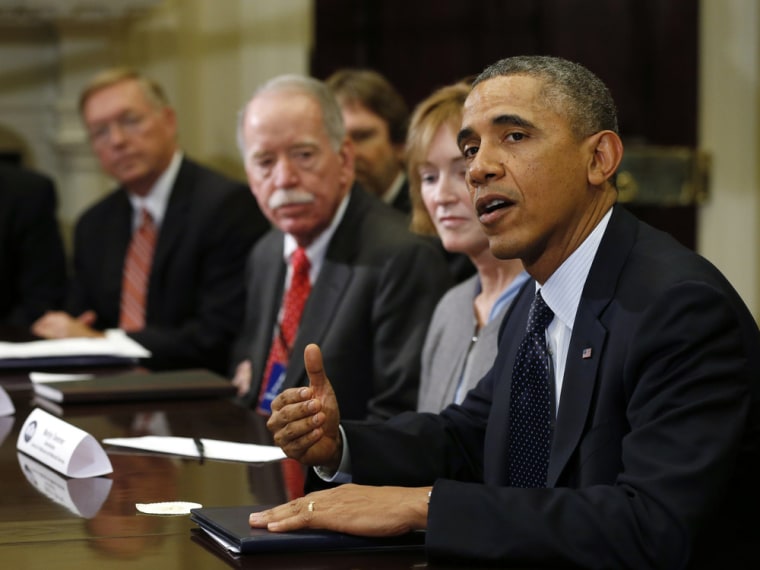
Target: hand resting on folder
x,y
352,509
304,423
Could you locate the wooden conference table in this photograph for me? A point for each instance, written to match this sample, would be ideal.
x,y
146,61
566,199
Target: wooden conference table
x,y
103,529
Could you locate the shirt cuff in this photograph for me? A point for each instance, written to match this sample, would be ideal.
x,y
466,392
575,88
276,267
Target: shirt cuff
x,y
343,474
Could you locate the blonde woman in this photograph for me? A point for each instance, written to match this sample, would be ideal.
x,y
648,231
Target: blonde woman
x,y
461,341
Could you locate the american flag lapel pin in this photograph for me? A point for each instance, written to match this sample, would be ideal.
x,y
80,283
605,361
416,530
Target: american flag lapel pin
x,y
586,353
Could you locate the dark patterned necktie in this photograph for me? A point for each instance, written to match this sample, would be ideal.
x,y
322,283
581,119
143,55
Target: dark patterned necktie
x,y
531,413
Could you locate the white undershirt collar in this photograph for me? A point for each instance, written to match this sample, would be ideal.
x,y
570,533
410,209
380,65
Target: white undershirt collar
x,y
157,200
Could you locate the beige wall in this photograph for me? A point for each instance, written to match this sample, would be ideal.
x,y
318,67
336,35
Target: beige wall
x,y
729,128
210,54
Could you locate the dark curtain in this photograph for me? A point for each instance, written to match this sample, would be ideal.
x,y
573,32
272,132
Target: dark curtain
x,y
645,50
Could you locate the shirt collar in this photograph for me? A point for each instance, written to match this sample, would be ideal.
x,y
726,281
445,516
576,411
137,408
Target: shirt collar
x,y
562,291
506,296
395,188
157,200
317,249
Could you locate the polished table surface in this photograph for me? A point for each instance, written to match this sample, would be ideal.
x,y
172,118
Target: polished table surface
x,y
106,531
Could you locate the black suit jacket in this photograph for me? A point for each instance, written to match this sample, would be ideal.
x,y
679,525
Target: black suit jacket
x,y
403,201
32,258
655,455
196,291
368,310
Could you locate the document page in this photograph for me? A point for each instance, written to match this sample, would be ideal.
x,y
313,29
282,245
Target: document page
x,y
115,343
202,448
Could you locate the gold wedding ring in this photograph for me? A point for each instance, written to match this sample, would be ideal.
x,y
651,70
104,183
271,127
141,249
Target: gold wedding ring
x,y
310,508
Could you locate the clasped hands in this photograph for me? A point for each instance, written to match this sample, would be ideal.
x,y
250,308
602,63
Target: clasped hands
x,y
58,324
304,423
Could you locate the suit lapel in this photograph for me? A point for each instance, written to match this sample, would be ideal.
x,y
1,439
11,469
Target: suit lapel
x,y
173,225
588,340
269,299
513,330
577,389
116,244
318,313
327,293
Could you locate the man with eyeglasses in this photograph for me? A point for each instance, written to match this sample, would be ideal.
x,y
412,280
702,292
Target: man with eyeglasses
x,y
162,256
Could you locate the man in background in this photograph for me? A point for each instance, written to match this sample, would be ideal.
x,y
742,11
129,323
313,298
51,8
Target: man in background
x,y
162,256
376,119
339,267
32,258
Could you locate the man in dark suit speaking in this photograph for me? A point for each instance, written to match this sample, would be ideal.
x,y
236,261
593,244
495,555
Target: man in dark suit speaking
x,y
339,267
162,256
623,432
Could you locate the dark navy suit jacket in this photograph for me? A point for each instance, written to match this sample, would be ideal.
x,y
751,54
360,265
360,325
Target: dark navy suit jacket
x,y
654,462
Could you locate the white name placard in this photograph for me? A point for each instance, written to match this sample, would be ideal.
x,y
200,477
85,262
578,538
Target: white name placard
x,y
62,446
83,497
6,404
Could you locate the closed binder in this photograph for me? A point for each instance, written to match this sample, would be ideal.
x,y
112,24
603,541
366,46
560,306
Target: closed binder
x,y
229,527
138,386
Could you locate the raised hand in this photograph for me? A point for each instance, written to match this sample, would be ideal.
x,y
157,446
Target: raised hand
x,y
242,378
304,421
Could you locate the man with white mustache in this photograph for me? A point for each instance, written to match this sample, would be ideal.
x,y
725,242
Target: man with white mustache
x,y
373,284
285,197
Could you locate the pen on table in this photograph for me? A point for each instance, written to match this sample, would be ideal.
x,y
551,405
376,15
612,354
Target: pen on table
x,y
200,448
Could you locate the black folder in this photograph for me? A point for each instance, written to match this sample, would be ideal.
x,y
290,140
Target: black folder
x,y
230,525
63,362
138,386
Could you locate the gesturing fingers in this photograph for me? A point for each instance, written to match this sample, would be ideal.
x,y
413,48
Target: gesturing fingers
x,y
312,357
289,397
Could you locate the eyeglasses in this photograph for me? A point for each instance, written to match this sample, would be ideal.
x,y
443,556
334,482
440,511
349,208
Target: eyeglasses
x,y
128,124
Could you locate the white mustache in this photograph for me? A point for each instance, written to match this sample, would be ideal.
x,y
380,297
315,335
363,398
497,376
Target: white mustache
x,y
283,197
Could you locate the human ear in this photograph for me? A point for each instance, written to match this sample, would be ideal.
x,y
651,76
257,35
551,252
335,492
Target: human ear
x,y
607,152
170,116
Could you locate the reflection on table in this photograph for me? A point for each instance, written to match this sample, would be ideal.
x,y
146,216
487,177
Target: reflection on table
x,y
39,531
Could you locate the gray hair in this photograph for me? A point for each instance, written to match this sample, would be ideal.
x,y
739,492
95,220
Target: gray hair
x,y
569,87
332,117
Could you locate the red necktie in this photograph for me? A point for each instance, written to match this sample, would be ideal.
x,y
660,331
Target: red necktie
x,y
279,353
134,286
282,343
